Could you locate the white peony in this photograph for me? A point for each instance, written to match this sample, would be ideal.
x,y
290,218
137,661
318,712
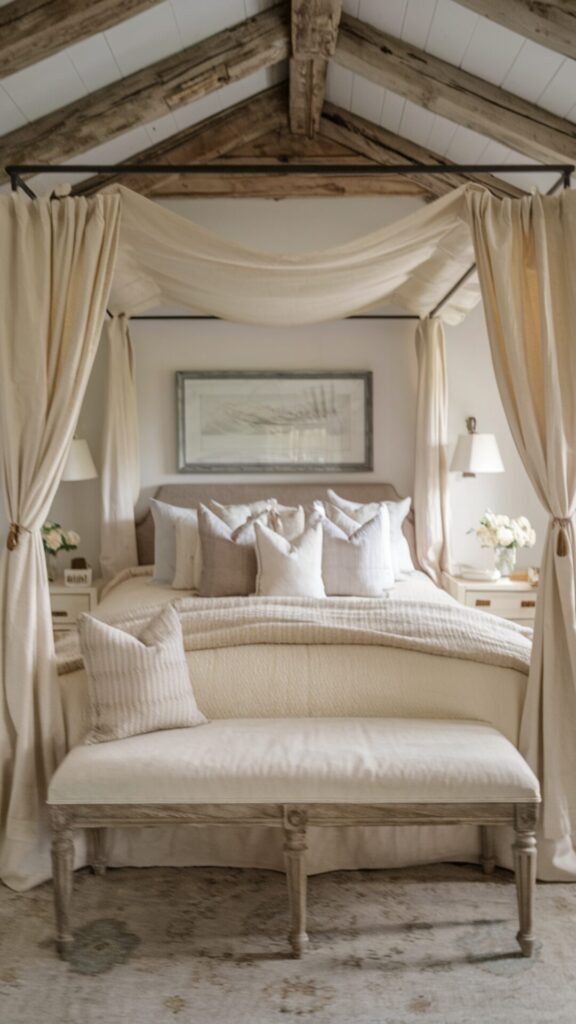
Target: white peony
x,y
485,536
53,541
72,538
504,536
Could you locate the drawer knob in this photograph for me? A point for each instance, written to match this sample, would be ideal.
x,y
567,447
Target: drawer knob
x,y
483,603
59,615
528,604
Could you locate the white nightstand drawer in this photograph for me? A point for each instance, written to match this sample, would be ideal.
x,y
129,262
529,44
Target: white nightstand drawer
x,y
509,606
67,607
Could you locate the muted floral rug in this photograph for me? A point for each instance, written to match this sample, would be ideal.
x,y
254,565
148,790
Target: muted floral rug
x,y
432,945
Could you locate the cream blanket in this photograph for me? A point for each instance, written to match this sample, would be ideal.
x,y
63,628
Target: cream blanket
x,y
448,630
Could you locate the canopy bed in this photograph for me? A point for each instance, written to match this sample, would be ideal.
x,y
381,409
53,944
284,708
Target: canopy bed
x,y
68,260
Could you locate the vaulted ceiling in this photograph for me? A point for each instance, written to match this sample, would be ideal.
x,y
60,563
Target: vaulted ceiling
x,y
308,81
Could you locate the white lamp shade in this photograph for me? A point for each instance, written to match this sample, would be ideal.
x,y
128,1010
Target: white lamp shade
x,y
477,453
80,464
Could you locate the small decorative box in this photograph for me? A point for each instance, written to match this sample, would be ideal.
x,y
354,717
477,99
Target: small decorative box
x,y
78,577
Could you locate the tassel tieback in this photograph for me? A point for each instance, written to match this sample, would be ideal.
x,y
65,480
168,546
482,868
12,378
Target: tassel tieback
x,y
13,538
562,542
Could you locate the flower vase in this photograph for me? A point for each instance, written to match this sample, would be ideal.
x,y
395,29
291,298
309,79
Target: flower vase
x,y
505,560
51,567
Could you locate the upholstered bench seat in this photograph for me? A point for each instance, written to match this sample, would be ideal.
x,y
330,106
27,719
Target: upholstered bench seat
x,y
295,773
307,760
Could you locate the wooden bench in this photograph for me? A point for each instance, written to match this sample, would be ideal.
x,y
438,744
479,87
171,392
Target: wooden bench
x,y
294,774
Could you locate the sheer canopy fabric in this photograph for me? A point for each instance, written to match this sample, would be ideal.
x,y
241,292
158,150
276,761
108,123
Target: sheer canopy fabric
x,y
164,258
526,253
56,264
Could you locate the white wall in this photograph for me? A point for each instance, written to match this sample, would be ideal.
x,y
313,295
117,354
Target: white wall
x,y
385,347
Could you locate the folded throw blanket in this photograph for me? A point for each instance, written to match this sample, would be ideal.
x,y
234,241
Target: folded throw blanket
x,y
446,629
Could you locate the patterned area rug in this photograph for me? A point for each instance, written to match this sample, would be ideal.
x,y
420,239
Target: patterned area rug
x,y
432,945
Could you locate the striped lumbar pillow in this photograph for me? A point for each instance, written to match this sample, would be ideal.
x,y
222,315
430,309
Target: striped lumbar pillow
x,y
137,684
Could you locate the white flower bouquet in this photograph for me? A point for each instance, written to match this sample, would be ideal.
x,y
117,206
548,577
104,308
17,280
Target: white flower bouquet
x,y
55,539
499,531
505,535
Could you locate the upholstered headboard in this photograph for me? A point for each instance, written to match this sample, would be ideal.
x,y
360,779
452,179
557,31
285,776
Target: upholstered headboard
x,y
189,496
192,495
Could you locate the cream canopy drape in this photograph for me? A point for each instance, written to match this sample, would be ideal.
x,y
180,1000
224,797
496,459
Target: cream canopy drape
x,y
526,251
56,268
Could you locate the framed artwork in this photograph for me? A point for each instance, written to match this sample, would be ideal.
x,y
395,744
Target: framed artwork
x,y
274,422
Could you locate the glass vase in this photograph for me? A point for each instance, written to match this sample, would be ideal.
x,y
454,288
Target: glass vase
x,y
505,560
51,566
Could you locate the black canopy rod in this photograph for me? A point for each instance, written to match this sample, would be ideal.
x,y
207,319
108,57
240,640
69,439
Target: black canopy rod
x,y
564,170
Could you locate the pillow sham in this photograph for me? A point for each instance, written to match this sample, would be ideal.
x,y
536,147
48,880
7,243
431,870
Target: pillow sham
x,y
398,510
165,519
288,521
137,684
228,555
289,569
356,560
237,515
188,555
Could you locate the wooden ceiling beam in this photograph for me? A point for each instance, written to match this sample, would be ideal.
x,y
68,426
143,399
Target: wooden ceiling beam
x,y
228,56
551,23
202,143
314,31
383,147
31,30
447,90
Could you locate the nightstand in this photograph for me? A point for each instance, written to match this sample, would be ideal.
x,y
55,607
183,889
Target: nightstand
x,y
511,599
68,603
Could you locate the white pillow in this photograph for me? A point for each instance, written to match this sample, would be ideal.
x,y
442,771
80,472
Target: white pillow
x,y
289,570
356,559
286,520
137,684
165,519
236,515
188,555
398,510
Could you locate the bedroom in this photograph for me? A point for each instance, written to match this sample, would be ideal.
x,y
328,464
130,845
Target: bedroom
x,y
293,214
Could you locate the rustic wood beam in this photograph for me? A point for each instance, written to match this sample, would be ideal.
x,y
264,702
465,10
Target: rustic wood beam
x,y
552,23
383,147
204,142
446,90
31,30
314,33
281,148
230,55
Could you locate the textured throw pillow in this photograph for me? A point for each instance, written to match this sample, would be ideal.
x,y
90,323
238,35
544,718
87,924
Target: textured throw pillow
x,y
289,570
137,684
228,555
237,515
397,510
288,521
165,519
356,560
188,555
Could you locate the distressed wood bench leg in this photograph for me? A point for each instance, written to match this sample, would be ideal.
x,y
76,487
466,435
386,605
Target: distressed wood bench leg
x,y
63,869
487,857
294,851
97,838
525,868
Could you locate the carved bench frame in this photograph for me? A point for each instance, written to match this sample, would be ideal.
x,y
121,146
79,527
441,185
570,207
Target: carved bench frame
x,y
294,819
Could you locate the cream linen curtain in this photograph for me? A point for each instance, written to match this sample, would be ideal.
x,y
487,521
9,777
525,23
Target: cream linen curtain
x,y
164,258
120,453
526,254
56,263
430,464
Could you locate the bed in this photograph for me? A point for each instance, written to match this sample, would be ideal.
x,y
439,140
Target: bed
x,y
297,680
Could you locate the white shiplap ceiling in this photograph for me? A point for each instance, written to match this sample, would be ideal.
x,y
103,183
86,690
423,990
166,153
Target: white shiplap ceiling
x,y
440,27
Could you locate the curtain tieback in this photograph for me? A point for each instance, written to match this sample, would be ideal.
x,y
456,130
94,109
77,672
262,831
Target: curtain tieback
x,y
14,532
562,542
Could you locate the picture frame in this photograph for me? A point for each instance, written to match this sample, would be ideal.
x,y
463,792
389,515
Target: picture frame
x,y
244,421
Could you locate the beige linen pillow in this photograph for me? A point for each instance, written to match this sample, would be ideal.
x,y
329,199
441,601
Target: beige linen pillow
x,y
289,570
137,684
397,511
228,556
236,515
288,521
355,559
165,519
188,555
